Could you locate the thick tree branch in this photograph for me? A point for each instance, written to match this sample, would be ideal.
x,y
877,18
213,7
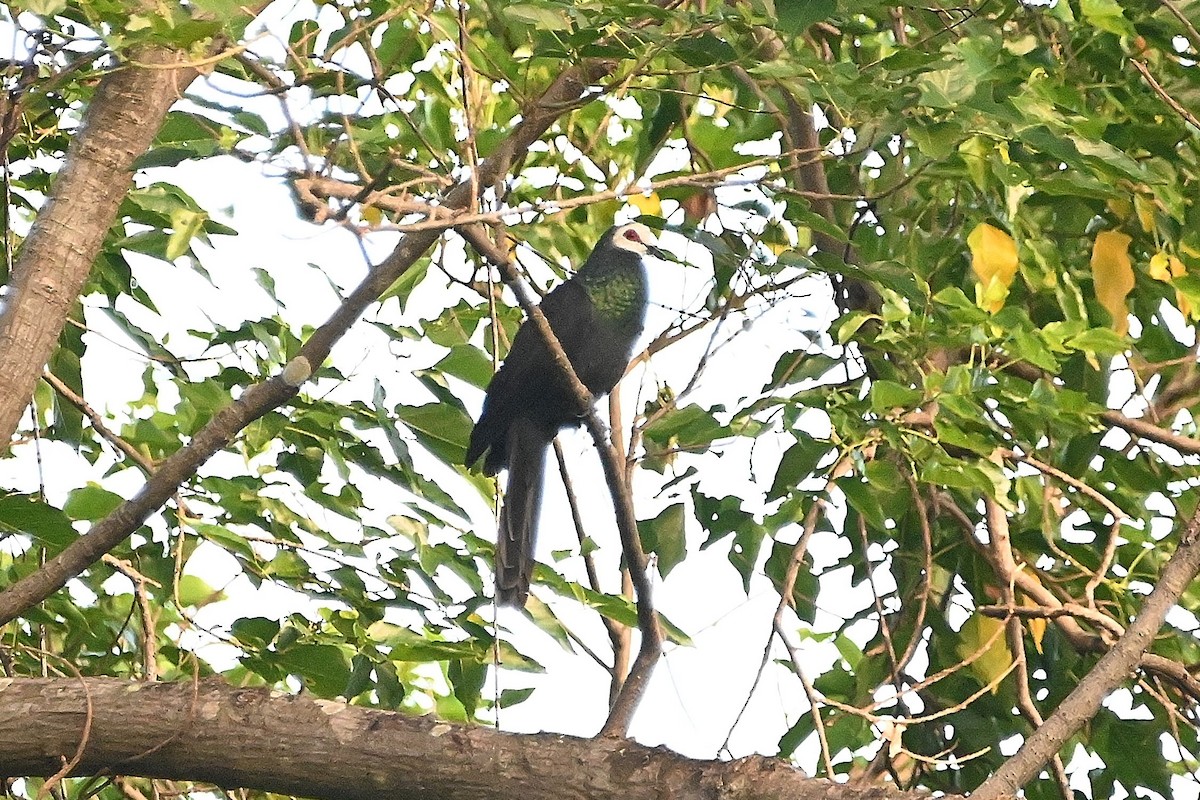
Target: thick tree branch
x,y
1112,669
621,712
260,398
120,124
259,739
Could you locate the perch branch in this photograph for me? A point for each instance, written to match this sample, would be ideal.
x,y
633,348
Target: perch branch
x,y
295,745
623,707
263,397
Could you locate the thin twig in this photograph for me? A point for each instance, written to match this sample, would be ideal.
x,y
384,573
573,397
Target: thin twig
x,y
1192,34
589,563
84,736
1187,116
622,636
814,700
799,549
926,568
1110,545
149,625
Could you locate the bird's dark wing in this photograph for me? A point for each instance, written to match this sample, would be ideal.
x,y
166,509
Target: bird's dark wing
x,y
529,384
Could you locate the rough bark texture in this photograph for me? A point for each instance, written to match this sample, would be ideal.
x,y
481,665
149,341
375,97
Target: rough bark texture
x,y
283,743
120,124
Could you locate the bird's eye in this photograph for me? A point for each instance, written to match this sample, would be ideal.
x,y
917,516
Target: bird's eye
x,y
632,235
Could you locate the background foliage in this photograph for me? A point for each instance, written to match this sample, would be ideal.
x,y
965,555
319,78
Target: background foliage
x,y
1016,183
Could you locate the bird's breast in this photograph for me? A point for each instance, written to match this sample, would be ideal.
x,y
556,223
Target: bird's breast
x,y
621,299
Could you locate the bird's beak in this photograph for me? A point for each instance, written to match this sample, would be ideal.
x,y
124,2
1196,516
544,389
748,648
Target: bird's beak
x,y
653,249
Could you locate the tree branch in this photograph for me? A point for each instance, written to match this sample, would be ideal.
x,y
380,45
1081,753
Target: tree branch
x,y
623,707
273,392
120,124
1151,432
1113,668
55,261
294,745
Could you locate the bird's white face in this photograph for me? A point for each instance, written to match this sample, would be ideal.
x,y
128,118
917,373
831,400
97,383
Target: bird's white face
x,y
636,238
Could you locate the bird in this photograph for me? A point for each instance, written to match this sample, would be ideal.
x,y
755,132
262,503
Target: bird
x,y
597,317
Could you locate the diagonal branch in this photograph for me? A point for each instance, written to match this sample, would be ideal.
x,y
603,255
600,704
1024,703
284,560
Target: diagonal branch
x,y
1110,671
120,124
621,713
268,395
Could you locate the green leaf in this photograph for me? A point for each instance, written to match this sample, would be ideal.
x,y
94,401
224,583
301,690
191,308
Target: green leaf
x,y
468,678
512,697
795,16
24,513
469,364
407,645
539,16
440,428
863,499
704,50
544,617
664,536
403,286
323,667
195,592
91,503
795,735
1107,15
887,396
256,632
798,463
687,428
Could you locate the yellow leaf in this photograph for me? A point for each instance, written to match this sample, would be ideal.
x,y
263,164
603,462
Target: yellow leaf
x,y
1164,267
1112,273
994,262
987,634
1145,212
647,203
1120,207
372,215
1178,270
1160,266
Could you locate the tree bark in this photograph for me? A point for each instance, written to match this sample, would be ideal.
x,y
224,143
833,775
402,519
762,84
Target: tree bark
x,y
259,739
55,260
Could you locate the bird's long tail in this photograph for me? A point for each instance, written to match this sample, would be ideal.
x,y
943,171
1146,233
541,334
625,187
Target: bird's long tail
x,y
527,445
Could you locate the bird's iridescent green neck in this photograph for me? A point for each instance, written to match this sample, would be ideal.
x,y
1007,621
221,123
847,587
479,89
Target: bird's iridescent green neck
x,y
617,289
